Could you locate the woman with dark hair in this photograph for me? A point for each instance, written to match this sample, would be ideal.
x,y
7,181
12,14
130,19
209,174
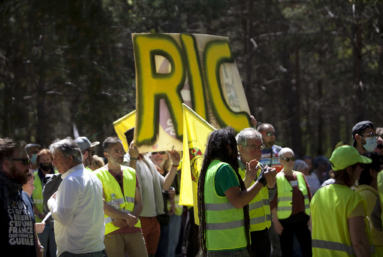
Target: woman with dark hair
x,y
223,198
368,188
338,213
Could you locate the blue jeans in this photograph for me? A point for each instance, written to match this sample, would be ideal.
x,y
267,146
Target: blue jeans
x,y
95,254
174,234
163,244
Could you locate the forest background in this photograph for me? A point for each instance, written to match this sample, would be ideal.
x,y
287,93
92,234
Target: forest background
x,y
311,68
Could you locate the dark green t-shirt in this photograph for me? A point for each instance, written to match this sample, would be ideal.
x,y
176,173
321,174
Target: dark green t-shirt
x,y
224,179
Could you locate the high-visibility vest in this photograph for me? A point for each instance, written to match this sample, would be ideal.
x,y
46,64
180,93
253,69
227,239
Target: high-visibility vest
x,y
88,168
330,207
224,223
259,207
111,186
380,190
37,194
285,195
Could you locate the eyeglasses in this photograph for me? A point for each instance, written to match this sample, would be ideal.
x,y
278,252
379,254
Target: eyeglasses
x,y
379,146
25,161
288,159
268,133
153,153
254,147
371,134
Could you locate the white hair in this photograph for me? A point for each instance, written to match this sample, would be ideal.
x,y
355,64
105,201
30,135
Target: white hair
x,y
247,133
68,147
284,151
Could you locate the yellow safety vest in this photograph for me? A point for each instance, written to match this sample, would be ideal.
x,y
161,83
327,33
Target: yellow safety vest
x,y
37,194
380,190
111,186
330,209
285,195
88,168
259,207
224,223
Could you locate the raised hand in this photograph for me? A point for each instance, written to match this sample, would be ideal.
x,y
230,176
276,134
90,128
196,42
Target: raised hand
x,y
251,171
175,157
133,151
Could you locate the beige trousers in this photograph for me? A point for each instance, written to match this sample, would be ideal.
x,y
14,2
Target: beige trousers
x,y
117,244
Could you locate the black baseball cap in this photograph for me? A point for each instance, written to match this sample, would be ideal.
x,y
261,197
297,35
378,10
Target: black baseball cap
x,y
359,128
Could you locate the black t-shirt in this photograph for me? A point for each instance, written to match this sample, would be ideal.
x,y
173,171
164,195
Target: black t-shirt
x,y
17,228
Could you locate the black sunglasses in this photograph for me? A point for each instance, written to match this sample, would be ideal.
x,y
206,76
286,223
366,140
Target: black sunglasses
x,y
25,161
379,146
288,159
153,153
269,133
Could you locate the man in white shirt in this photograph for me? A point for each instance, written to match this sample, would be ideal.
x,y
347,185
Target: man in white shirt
x,y
77,206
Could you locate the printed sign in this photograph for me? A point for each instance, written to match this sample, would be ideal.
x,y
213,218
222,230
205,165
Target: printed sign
x,y
172,69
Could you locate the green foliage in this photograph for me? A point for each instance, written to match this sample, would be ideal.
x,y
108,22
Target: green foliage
x,y
71,62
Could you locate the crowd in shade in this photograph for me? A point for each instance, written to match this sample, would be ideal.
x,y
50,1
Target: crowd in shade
x,y
254,198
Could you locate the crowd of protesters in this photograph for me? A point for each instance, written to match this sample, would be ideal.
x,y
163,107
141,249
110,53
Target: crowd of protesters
x,y
254,198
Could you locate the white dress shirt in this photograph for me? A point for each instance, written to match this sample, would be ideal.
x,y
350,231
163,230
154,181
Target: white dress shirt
x,y
78,212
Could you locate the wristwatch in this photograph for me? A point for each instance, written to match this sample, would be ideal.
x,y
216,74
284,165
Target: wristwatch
x,y
41,249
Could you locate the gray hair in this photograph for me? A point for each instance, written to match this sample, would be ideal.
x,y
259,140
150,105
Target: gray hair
x,y
284,151
68,147
247,133
299,165
110,141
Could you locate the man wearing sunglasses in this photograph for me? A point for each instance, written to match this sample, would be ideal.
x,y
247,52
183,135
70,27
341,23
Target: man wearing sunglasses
x,y
151,186
87,150
364,136
270,151
17,223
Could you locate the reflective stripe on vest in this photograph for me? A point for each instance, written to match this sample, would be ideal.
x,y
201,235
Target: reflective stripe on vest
x,y
331,236
334,246
259,207
111,186
224,223
285,195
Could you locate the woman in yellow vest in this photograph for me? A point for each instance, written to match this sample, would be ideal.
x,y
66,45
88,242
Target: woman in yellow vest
x,y
223,198
368,188
47,237
339,213
291,206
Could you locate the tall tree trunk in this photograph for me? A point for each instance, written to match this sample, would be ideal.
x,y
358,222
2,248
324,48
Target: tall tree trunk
x,y
359,103
41,114
320,136
297,113
290,99
249,56
7,103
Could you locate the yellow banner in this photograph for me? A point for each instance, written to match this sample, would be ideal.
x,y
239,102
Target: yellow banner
x,y
195,133
192,69
124,124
